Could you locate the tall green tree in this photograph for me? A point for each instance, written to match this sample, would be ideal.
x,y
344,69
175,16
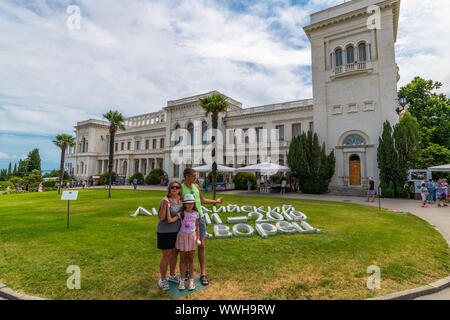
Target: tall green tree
x,y
9,171
407,141
15,169
391,170
214,104
22,169
63,141
34,161
116,121
310,163
432,110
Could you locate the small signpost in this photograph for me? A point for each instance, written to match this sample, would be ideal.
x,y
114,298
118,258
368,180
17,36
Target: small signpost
x,y
379,198
69,195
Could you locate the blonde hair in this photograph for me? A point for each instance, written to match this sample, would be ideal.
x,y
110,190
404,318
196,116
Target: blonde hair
x,y
171,184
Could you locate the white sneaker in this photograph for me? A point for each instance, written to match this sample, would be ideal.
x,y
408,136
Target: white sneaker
x,y
181,285
191,284
173,278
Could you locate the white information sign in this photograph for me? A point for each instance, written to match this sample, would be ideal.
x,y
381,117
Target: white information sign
x,y
69,195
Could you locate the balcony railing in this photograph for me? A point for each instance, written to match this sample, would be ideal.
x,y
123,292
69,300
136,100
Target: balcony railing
x,y
351,67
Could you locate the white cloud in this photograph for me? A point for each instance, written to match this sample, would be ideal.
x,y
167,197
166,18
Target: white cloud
x,y
135,55
423,43
4,156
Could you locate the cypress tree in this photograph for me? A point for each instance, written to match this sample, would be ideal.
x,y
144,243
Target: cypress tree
x,y
9,171
388,161
310,163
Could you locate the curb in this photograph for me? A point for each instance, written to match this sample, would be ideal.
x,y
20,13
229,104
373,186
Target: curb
x,y
417,292
9,294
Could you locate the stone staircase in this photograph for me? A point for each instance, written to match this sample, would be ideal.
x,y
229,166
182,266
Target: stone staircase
x,y
347,191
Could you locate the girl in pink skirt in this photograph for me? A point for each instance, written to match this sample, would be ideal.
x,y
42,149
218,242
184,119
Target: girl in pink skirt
x,y
187,239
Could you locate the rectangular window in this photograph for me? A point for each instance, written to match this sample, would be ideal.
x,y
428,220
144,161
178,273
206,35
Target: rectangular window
x,y
147,144
161,143
138,145
296,129
280,132
259,135
122,146
245,135
116,147
154,143
311,127
129,145
176,171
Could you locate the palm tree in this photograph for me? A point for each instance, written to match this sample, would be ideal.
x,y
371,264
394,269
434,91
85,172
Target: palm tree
x,y
214,104
63,141
116,121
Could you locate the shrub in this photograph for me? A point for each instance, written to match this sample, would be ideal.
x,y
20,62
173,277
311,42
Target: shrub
x,y
240,180
387,191
106,175
5,184
49,184
155,176
139,176
16,180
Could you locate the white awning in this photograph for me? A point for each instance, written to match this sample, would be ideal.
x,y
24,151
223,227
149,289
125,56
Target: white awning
x,y
444,168
208,168
265,168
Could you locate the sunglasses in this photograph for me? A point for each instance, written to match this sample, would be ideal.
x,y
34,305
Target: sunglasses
x,y
174,187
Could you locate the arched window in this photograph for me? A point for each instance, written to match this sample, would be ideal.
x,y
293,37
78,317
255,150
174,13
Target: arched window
x,y
338,57
354,140
191,132
350,54
204,129
362,52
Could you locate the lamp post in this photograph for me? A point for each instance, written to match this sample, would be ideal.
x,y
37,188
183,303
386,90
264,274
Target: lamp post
x,y
403,102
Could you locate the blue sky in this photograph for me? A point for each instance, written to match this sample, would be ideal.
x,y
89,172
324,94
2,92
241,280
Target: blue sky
x,y
135,55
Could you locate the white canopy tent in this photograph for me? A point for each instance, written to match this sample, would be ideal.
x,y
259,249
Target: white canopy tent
x,y
208,168
264,168
444,168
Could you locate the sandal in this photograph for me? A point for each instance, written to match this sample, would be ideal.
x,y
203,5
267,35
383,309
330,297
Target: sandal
x,y
204,280
163,284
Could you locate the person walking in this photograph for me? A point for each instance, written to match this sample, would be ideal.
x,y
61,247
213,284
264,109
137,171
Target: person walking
x,y
167,230
371,190
135,182
40,188
249,185
190,187
206,185
188,239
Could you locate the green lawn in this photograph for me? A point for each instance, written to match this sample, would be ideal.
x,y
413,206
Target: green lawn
x,y
119,259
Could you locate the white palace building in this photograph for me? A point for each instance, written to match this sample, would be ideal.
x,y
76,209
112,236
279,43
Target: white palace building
x,y
354,77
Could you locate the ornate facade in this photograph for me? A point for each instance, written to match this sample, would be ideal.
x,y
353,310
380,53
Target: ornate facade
x,y
354,76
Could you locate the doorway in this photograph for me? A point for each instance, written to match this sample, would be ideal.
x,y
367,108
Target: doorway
x,y
355,170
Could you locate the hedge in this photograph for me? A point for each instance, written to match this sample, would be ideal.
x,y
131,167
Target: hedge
x,y
155,176
139,176
240,180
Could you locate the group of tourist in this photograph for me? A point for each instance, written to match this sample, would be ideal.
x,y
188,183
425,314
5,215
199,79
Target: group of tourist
x,y
181,231
435,192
